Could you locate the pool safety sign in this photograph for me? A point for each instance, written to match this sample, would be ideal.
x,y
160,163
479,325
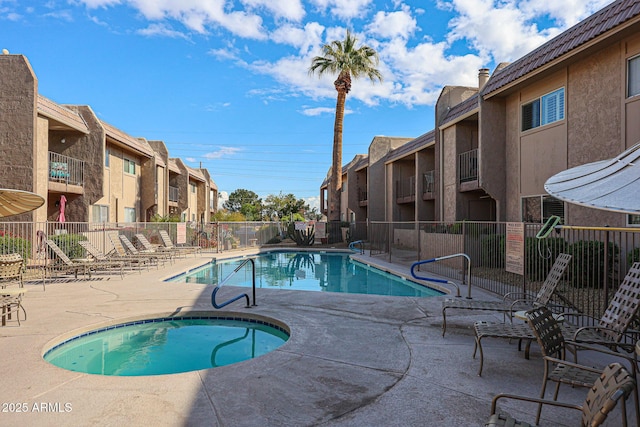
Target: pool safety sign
x,y
514,248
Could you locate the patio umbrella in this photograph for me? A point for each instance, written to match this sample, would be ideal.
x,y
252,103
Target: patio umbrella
x,y
612,185
63,203
14,202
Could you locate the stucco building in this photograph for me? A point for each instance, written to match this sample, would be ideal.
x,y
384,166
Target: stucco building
x,y
572,101
104,174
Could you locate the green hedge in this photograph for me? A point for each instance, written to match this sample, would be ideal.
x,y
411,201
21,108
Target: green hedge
x,y
588,262
69,245
10,245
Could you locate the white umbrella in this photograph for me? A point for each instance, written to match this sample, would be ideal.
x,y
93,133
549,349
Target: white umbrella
x,y
612,185
14,202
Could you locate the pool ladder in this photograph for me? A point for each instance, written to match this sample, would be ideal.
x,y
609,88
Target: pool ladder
x,y
433,279
236,298
360,250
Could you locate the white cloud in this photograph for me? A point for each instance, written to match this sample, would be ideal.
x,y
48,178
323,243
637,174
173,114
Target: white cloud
x,y
196,15
415,63
517,33
291,10
393,24
304,39
222,152
313,202
317,111
161,30
345,9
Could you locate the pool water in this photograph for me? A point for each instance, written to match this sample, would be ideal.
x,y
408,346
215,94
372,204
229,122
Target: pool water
x,y
166,346
308,271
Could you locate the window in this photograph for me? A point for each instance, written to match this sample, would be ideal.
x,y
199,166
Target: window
x,y
193,188
129,166
633,220
538,209
547,109
100,213
129,215
633,76
106,157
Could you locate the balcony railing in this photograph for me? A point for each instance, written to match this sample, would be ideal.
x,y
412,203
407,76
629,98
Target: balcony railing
x,y
65,169
173,194
406,190
363,196
468,166
428,182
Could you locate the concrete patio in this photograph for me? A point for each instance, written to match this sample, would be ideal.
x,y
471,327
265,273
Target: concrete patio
x,y
351,360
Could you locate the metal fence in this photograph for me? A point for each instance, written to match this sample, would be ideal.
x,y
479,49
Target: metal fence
x,y
601,256
27,238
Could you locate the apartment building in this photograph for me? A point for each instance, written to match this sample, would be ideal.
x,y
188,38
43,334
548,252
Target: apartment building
x,y
66,154
573,100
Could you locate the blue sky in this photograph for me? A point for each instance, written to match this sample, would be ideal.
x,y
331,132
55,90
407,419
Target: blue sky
x,y
225,84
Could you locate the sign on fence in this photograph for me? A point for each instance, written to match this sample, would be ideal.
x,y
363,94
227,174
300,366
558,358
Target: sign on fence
x,y
514,248
181,233
321,232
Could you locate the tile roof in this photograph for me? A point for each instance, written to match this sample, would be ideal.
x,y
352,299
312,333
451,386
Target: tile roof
x,y
597,24
140,146
411,146
461,109
362,163
57,112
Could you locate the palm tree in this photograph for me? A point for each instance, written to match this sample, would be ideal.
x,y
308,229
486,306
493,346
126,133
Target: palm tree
x,y
347,61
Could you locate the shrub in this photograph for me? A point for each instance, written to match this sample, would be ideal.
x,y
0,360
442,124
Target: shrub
x,y
493,251
633,256
10,244
69,245
541,255
588,262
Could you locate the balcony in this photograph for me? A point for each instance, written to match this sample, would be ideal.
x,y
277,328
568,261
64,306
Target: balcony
x,y
468,170
363,197
66,174
173,194
406,190
428,185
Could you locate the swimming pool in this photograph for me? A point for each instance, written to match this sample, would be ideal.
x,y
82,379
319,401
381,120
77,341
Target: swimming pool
x,y
168,345
308,271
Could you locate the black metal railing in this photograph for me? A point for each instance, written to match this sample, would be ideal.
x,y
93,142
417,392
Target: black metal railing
x,y
65,169
468,166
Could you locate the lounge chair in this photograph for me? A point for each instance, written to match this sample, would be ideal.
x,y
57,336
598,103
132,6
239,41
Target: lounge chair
x,y
149,248
85,266
122,252
100,256
168,243
134,251
513,301
11,269
553,347
614,384
610,331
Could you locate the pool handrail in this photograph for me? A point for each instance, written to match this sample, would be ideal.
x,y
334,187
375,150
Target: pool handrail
x,y
433,279
352,246
226,279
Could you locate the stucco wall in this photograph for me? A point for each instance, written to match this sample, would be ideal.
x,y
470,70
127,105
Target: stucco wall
x,y
18,92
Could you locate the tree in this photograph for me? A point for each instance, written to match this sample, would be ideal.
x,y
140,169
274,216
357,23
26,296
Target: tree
x,y
246,202
347,61
284,205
